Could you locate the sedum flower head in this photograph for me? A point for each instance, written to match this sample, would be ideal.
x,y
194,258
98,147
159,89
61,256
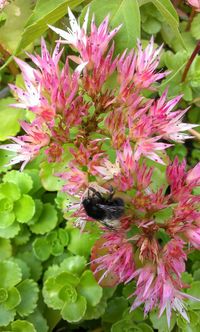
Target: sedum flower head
x,y
110,134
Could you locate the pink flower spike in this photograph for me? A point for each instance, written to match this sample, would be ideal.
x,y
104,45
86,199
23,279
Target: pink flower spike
x,y
147,148
126,158
92,46
27,147
77,180
112,254
76,33
193,236
194,175
27,71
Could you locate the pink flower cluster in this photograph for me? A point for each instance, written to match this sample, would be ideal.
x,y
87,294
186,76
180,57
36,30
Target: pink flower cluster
x,y
195,4
157,266
77,107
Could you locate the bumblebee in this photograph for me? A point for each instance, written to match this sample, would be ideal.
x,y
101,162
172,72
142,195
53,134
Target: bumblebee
x,y
106,209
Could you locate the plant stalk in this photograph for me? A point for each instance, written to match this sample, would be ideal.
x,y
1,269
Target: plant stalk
x,y
191,59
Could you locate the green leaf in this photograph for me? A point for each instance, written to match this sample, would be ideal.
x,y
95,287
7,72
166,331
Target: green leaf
x,y
169,13
68,294
53,286
194,257
67,278
5,158
5,249
47,220
41,17
6,316
10,274
194,290
6,219
47,174
9,117
38,212
17,12
22,326
99,309
23,236
10,190
195,27
81,243
36,182
74,264
57,241
33,264
10,231
3,18
28,290
161,322
3,295
6,204
115,309
50,293
178,150
151,26
89,288
125,325
38,321
23,266
74,312
186,278
121,11
41,249
21,179
197,275
136,315
24,208
145,328
14,298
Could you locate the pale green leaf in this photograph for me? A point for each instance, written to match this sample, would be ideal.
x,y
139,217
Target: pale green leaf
x,y
22,326
22,180
43,15
9,117
24,208
74,312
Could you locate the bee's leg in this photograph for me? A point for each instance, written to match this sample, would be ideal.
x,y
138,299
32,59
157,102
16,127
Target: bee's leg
x,y
96,193
112,192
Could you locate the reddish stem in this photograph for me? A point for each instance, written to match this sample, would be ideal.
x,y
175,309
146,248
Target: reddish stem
x,y
191,59
12,67
192,15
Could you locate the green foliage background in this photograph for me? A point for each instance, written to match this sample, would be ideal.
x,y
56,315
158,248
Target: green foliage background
x,y
44,276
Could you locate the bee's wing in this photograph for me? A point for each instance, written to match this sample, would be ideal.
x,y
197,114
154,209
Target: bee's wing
x,y
111,208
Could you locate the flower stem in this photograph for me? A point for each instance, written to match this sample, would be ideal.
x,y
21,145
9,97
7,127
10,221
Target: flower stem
x,y
195,134
191,59
12,67
192,15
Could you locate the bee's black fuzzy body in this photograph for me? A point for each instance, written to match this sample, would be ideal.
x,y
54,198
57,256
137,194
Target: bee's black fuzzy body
x,y
103,209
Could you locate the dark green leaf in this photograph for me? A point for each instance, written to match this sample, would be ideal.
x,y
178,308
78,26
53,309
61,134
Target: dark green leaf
x,y
124,12
28,290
